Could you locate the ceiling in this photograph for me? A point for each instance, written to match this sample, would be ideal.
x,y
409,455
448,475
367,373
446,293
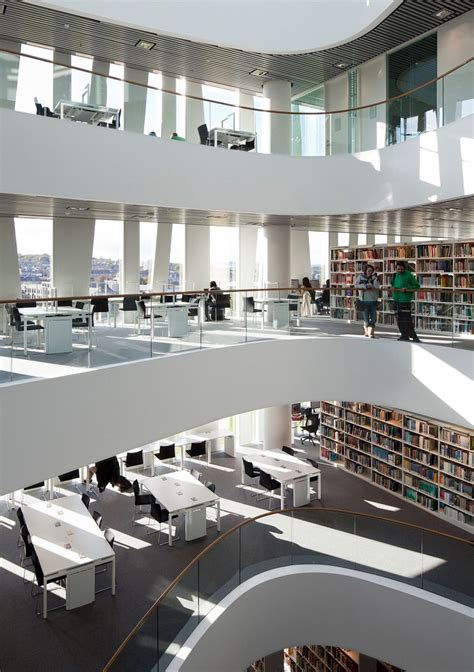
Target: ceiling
x,y
449,219
204,62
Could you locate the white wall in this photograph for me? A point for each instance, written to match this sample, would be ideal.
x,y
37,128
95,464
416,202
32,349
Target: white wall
x,y
427,380
304,604
273,26
455,45
336,97
105,168
73,241
372,89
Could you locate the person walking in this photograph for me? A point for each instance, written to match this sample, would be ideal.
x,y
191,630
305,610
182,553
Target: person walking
x,y
368,286
307,296
403,284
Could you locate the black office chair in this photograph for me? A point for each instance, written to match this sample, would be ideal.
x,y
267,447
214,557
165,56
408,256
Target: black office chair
x,y
98,517
36,487
99,305
311,427
197,450
142,313
22,523
44,111
109,536
86,500
166,453
130,304
27,550
140,500
196,474
293,304
288,450
64,302
269,484
251,472
203,134
71,477
161,515
217,310
210,486
42,584
134,460
110,539
19,325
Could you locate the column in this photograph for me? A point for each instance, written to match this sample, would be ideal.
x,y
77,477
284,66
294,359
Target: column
x,y
161,261
9,271
73,240
194,111
98,88
300,263
9,66
246,117
130,275
276,427
370,238
247,262
168,107
135,100
390,238
62,76
279,94
353,239
197,257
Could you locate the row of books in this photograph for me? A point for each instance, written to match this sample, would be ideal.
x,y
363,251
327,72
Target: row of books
x,y
421,426
462,440
385,428
434,250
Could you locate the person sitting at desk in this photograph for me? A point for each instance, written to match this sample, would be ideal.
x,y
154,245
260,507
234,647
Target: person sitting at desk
x,y
323,301
211,299
175,136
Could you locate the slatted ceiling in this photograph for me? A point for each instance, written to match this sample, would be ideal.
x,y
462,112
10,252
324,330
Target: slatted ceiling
x,y
230,67
449,219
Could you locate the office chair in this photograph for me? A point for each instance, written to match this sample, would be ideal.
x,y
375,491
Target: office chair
x,y
37,487
99,305
64,302
249,307
27,550
22,523
197,450
196,474
288,450
109,536
166,453
251,472
203,134
98,517
311,427
70,477
86,500
269,484
140,499
222,301
161,515
134,460
42,584
19,325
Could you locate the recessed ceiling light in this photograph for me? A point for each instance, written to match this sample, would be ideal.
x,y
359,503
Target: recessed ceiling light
x,y
443,13
76,208
3,8
258,73
144,44
342,66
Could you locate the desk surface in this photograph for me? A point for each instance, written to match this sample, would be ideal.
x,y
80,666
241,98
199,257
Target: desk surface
x,y
62,311
281,466
77,529
85,112
230,135
178,491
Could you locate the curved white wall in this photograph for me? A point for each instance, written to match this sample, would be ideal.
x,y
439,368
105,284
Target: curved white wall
x,y
88,163
81,418
267,26
293,606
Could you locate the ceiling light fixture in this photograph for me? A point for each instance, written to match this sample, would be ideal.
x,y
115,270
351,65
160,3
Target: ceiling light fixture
x,y
3,8
77,208
342,66
258,73
443,13
144,44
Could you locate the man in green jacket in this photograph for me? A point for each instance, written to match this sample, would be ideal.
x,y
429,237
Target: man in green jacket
x,y
403,284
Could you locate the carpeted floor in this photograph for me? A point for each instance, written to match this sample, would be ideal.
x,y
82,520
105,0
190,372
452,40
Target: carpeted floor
x,y
82,640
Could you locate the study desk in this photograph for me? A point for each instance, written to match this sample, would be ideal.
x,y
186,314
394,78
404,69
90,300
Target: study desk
x,y
57,326
229,136
278,311
86,113
176,315
211,438
286,469
68,543
179,492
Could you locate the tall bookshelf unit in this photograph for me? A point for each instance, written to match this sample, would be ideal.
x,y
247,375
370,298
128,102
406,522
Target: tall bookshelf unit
x,y
445,271
317,658
430,464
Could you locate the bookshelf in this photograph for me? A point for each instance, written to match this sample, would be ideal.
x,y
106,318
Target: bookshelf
x,y
317,658
428,463
445,271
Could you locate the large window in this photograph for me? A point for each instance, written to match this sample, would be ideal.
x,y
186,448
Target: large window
x,y
148,232
154,99
81,81
34,240
106,257
224,245
35,79
176,267
216,115
319,255
408,68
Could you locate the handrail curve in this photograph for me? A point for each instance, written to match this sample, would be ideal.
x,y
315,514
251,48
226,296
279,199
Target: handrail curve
x,y
109,666
233,105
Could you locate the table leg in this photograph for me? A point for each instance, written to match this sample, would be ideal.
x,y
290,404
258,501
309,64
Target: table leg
x,y
283,495
170,530
113,576
25,336
208,451
45,599
218,508
89,333
182,456
319,486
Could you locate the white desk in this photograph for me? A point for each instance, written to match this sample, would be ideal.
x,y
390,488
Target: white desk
x,y
176,315
86,113
72,549
211,438
229,136
286,469
179,492
278,311
57,326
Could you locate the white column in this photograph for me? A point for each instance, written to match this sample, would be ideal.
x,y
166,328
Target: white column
x,y
246,117
370,238
61,77
390,238
9,66
98,89
9,270
278,254
353,239
73,240
197,257
130,275
279,94
168,108
135,100
300,262
194,111
276,427
161,263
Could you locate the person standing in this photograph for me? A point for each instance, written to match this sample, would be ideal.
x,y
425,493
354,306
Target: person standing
x,y
403,285
307,296
368,285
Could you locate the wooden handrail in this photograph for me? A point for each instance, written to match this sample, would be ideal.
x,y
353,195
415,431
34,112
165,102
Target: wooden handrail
x,y
232,105
245,522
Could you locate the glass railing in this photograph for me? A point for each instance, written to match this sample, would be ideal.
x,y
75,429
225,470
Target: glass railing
x,y
411,555
113,102
68,334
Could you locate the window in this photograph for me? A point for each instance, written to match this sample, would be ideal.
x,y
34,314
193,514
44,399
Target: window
x,y
220,115
81,81
35,79
107,254
319,255
224,245
153,114
34,240
176,267
147,252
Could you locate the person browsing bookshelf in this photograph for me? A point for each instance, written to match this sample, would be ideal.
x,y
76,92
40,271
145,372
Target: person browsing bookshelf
x,y
403,285
368,286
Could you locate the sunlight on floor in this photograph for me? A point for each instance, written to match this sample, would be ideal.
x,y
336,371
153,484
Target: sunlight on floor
x,y
379,505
